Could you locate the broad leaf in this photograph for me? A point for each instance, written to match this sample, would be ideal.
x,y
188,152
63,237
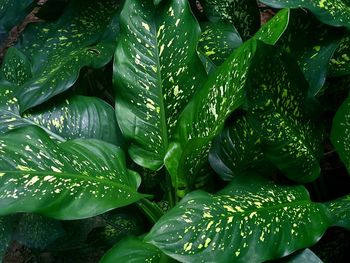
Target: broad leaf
x,y
251,220
156,72
312,44
58,50
340,62
71,180
303,256
277,126
134,250
218,41
340,134
335,12
37,232
12,12
244,15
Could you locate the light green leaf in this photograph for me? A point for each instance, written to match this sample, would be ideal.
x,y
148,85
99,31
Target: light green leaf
x,y
83,36
340,135
251,220
134,250
72,180
340,62
156,72
244,15
332,12
218,41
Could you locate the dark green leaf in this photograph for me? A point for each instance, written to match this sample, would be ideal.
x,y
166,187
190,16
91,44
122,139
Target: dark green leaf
x,y
312,44
83,36
340,212
340,62
134,250
340,134
334,12
5,234
303,256
38,232
12,12
251,220
218,41
71,180
244,15
156,72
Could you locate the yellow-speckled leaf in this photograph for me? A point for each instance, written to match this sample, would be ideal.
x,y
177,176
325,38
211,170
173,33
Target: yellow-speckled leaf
x,y
251,220
83,36
243,15
156,72
340,62
332,12
70,180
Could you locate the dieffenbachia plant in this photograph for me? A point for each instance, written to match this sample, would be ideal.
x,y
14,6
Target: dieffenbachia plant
x,y
122,121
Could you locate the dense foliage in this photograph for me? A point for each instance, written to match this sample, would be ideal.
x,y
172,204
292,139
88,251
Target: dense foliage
x,y
175,130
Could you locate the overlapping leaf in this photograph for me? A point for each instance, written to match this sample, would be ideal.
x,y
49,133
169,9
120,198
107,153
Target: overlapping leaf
x,y
251,220
335,12
302,256
278,127
340,62
340,134
244,15
11,13
58,50
134,250
71,180
156,72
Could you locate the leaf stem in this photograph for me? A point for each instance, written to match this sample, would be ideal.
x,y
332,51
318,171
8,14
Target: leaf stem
x,y
150,209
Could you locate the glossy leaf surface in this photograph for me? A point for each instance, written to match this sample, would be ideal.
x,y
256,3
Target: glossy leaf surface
x,y
251,220
133,250
156,72
39,175
340,134
244,15
303,256
335,12
218,41
58,50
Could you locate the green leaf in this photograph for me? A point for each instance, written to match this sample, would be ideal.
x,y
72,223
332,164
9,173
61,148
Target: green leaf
x,y
302,256
277,128
134,250
251,220
38,232
71,180
218,41
83,36
271,32
244,15
65,119
340,62
339,211
340,135
312,44
205,115
5,234
335,12
12,12
156,72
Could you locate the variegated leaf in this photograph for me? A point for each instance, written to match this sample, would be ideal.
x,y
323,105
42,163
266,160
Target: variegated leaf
x,y
156,72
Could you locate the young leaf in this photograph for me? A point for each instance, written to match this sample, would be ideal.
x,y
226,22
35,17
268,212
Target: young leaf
x,y
218,41
340,62
156,72
134,250
244,15
335,12
340,135
58,50
251,220
71,180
